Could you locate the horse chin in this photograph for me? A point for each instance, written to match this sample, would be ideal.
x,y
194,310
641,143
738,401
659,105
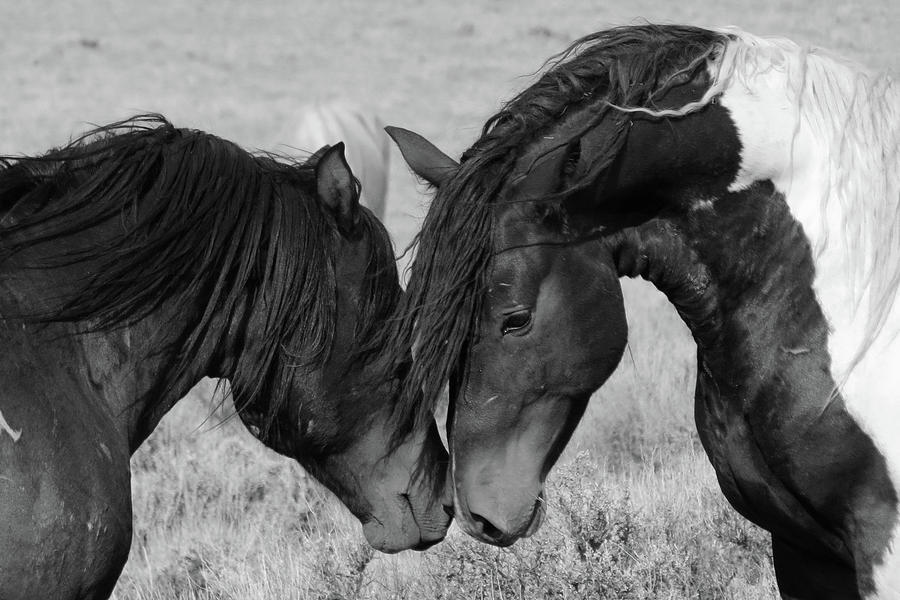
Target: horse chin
x,y
406,528
384,540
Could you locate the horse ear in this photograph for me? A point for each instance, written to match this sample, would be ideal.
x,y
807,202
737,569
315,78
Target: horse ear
x,y
423,157
338,188
316,156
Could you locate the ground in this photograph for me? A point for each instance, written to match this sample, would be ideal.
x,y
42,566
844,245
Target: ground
x,y
635,508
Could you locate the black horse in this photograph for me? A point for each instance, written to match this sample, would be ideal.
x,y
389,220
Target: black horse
x,y
141,258
754,182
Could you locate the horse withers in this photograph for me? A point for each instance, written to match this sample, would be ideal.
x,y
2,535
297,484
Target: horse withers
x,y
757,184
141,258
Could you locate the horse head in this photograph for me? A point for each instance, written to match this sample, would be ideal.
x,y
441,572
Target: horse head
x,y
530,319
337,417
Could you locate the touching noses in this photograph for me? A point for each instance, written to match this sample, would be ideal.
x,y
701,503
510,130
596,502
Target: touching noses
x,y
496,518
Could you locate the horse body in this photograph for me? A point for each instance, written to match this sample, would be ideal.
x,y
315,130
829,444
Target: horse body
x,y
788,455
833,151
139,262
66,480
752,183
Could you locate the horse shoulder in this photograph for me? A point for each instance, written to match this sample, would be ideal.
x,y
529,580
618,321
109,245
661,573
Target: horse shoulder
x,y
65,497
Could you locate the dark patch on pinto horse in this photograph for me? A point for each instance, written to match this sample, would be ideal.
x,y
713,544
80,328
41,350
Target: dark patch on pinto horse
x,y
141,258
756,400
513,267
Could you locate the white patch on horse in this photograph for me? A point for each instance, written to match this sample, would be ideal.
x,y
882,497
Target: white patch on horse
x,y
4,426
440,415
105,450
827,135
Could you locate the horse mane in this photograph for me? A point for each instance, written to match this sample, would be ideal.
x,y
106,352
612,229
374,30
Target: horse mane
x,y
626,66
617,72
193,216
856,115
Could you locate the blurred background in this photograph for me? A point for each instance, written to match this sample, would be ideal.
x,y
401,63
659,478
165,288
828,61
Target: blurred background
x,y
635,509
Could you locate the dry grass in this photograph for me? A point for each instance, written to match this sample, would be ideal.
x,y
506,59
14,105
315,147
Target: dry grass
x,y
219,516
635,510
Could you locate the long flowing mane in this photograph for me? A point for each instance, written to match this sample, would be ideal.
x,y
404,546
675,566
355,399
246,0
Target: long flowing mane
x,y
627,66
625,70
856,116
198,223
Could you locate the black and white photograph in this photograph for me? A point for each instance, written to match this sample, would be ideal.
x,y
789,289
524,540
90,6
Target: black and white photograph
x,y
476,300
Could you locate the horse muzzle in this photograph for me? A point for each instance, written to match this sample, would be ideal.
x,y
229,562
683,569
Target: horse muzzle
x,y
414,524
498,524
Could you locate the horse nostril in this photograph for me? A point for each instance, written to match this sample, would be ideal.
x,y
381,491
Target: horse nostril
x,y
448,509
488,529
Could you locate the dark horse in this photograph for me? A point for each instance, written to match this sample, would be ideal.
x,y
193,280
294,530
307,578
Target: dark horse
x,y
757,184
142,258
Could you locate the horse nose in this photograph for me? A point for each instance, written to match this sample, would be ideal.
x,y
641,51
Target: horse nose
x,y
490,533
497,529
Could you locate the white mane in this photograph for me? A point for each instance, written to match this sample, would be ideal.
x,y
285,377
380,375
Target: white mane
x,y
855,114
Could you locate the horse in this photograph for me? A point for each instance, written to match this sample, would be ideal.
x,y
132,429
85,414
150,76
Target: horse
x,y
367,146
142,257
753,181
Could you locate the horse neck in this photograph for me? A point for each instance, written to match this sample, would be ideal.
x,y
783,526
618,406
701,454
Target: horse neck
x,y
738,270
140,372
826,134
134,373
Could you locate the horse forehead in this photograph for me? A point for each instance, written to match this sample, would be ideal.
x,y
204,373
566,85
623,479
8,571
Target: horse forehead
x,y
536,173
516,230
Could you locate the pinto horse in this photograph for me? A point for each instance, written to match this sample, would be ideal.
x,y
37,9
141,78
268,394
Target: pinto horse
x,y
368,148
754,182
141,258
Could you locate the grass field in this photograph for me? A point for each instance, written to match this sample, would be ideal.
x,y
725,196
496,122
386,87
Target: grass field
x,y
635,511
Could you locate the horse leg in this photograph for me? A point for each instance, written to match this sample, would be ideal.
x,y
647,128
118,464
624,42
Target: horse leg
x,y
805,576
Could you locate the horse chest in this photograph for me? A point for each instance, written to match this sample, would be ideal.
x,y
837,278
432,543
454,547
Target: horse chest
x,y
725,438
747,479
802,469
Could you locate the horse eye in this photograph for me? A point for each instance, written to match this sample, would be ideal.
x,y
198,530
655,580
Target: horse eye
x,y
517,321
